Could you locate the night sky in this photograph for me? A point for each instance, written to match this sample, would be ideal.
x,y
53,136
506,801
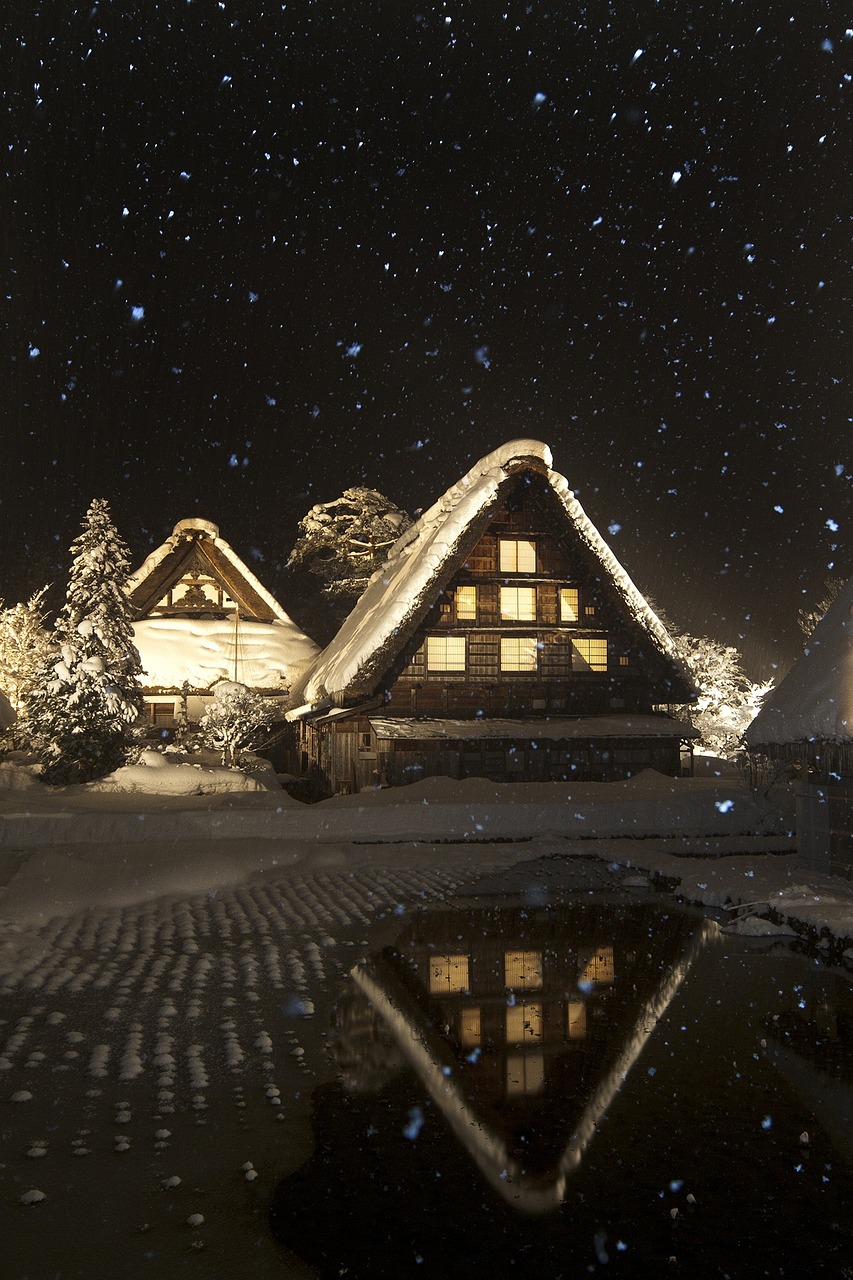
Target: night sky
x,y
256,253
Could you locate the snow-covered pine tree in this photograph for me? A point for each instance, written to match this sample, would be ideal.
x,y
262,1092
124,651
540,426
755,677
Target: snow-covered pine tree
x,y
81,714
728,700
345,541
808,618
235,721
25,644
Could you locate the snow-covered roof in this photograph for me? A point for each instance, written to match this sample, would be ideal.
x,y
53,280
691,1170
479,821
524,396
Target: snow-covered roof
x,y
201,651
271,650
815,698
206,533
400,593
557,729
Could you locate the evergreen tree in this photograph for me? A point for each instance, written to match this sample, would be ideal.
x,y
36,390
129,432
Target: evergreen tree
x,y
807,619
81,714
345,541
728,700
235,721
25,644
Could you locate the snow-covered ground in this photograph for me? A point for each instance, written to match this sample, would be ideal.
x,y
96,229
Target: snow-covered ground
x,y
166,995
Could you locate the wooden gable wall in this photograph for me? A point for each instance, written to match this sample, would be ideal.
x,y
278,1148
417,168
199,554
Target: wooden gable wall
x,y
550,635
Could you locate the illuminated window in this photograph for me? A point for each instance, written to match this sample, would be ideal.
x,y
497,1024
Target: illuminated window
x,y
623,661
469,1027
523,1023
518,603
517,555
448,974
445,653
523,970
569,604
525,1074
596,965
466,604
576,1020
589,655
519,653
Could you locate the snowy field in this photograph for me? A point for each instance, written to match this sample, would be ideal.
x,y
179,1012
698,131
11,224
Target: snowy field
x,y
166,1003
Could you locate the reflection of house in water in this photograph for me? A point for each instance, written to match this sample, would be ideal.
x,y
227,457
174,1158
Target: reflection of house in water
x,y
522,1025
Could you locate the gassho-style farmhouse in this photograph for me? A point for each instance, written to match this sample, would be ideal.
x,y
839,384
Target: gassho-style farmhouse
x,y
501,639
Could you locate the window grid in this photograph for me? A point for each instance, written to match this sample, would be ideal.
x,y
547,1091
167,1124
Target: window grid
x,y
519,653
448,974
523,970
517,555
469,1027
596,965
445,653
569,604
589,654
524,1023
518,604
576,1020
466,604
525,1074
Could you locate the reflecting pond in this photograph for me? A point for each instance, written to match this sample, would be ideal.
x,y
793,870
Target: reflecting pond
x,y
605,1087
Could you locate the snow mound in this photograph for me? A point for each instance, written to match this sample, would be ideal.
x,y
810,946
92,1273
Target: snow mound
x,y
19,777
173,775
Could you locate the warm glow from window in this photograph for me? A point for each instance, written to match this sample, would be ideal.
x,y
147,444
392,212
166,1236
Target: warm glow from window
x,y
589,655
519,653
466,604
448,974
569,604
525,1074
523,1023
523,970
517,555
445,653
596,966
469,1027
576,1020
518,603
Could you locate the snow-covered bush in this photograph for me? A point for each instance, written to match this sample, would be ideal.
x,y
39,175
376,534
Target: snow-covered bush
x,y
728,700
25,644
81,713
237,720
345,541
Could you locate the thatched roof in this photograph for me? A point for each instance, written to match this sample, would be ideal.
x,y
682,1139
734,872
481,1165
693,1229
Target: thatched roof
x,y
421,563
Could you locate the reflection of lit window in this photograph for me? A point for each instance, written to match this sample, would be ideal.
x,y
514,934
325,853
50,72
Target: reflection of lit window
x,y
517,555
448,974
576,1021
466,603
523,970
519,653
589,655
525,1073
518,603
445,653
469,1027
523,1023
569,606
596,965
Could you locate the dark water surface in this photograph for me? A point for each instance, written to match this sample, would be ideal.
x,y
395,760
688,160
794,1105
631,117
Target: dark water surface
x,y
612,1087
